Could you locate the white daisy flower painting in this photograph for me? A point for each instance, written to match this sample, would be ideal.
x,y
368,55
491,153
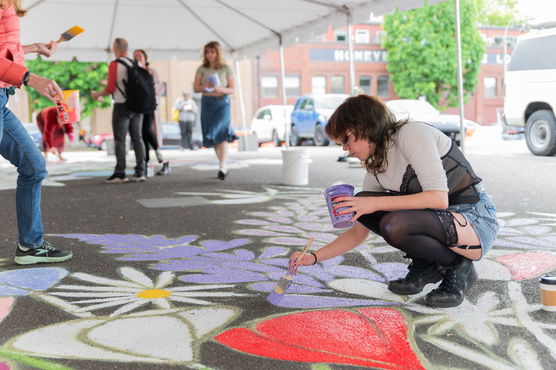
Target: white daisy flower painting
x,y
135,291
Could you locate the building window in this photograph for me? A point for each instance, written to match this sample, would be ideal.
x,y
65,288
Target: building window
x,y
337,84
293,86
365,84
498,41
361,36
269,86
318,85
341,35
490,87
382,86
379,37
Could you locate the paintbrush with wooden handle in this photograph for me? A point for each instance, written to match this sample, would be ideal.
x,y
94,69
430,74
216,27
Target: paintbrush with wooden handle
x,y
278,292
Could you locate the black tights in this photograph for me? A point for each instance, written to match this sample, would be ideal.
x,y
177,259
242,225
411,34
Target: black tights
x,y
419,233
149,137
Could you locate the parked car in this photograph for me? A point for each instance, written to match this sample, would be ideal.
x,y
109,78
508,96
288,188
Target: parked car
x,y
310,116
34,132
530,80
99,141
268,123
423,111
171,136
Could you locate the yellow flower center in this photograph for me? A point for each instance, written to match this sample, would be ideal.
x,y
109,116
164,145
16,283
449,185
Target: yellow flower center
x,y
153,293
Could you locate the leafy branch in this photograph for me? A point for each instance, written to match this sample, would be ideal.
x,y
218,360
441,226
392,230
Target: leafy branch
x,y
73,75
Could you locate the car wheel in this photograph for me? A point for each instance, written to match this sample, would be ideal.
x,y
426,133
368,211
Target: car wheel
x,y
275,139
103,146
540,133
295,140
320,138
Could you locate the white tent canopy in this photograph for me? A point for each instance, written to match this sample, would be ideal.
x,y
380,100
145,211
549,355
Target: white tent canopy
x,y
180,28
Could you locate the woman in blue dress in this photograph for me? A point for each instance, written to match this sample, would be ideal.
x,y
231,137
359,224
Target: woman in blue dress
x,y
214,78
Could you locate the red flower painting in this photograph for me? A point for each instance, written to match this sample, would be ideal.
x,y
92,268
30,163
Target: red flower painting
x,y
373,337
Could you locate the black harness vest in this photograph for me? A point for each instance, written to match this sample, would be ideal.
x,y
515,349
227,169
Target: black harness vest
x,y
461,179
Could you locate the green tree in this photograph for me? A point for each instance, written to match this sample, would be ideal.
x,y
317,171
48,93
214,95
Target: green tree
x,y
498,13
73,75
421,47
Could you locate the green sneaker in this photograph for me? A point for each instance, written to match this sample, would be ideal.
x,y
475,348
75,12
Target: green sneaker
x,y
46,253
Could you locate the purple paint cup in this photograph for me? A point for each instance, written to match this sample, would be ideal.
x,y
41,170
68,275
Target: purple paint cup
x,y
338,221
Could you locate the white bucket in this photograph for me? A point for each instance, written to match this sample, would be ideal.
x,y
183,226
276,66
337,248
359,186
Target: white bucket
x,y
295,167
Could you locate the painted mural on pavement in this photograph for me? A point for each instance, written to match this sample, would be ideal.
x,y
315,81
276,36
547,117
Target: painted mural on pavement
x,y
169,297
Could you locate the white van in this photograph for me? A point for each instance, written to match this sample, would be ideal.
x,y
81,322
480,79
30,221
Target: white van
x,y
531,90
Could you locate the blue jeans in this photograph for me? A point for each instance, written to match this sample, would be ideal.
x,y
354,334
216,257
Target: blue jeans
x,y
17,147
482,216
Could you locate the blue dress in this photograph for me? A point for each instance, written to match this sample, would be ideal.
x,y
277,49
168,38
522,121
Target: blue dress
x,y
216,120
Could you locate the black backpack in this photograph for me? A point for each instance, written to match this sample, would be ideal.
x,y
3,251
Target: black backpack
x,y
139,88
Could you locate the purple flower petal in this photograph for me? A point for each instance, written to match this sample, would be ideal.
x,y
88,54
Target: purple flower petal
x,y
391,270
308,225
257,232
288,241
191,264
312,301
294,288
224,276
253,266
219,245
354,272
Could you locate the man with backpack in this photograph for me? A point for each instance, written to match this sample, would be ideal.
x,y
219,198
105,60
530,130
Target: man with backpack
x,y
130,89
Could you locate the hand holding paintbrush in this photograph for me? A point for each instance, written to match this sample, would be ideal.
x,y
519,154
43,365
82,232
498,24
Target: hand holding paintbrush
x,y
278,292
49,49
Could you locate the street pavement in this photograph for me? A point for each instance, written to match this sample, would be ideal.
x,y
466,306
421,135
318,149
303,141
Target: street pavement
x,y
175,271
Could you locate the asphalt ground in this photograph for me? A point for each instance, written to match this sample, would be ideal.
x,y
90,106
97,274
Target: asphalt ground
x,y
175,272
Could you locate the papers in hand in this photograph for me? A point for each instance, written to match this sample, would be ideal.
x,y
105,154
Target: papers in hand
x,y
214,79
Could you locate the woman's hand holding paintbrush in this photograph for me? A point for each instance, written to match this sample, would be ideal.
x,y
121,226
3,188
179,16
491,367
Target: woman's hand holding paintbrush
x,y
302,259
50,48
277,293
293,266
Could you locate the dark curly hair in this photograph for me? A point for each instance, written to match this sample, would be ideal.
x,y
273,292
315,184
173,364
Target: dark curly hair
x,y
366,117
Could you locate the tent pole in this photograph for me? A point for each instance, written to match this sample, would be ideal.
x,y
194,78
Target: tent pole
x,y
460,77
351,55
284,98
112,24
241,105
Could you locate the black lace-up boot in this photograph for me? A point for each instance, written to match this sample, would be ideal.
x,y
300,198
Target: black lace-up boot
x,y
455,281
421,272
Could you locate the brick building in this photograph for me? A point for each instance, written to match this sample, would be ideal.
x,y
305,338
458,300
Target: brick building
x,y
321,66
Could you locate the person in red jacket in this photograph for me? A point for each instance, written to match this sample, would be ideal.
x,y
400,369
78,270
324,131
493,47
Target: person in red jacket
x,y
15,143
53,132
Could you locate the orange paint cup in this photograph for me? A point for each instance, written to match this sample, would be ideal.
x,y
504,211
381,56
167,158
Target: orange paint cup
x,y
71,97
548,292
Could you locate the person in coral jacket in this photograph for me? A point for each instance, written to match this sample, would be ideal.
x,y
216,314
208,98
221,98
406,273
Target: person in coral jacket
x,y
15,143
53,132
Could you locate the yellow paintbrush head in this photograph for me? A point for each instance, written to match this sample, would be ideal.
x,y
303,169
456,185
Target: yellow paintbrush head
x,y
71,33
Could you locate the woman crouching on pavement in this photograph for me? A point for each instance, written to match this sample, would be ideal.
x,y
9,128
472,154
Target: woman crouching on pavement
x,y
419,193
